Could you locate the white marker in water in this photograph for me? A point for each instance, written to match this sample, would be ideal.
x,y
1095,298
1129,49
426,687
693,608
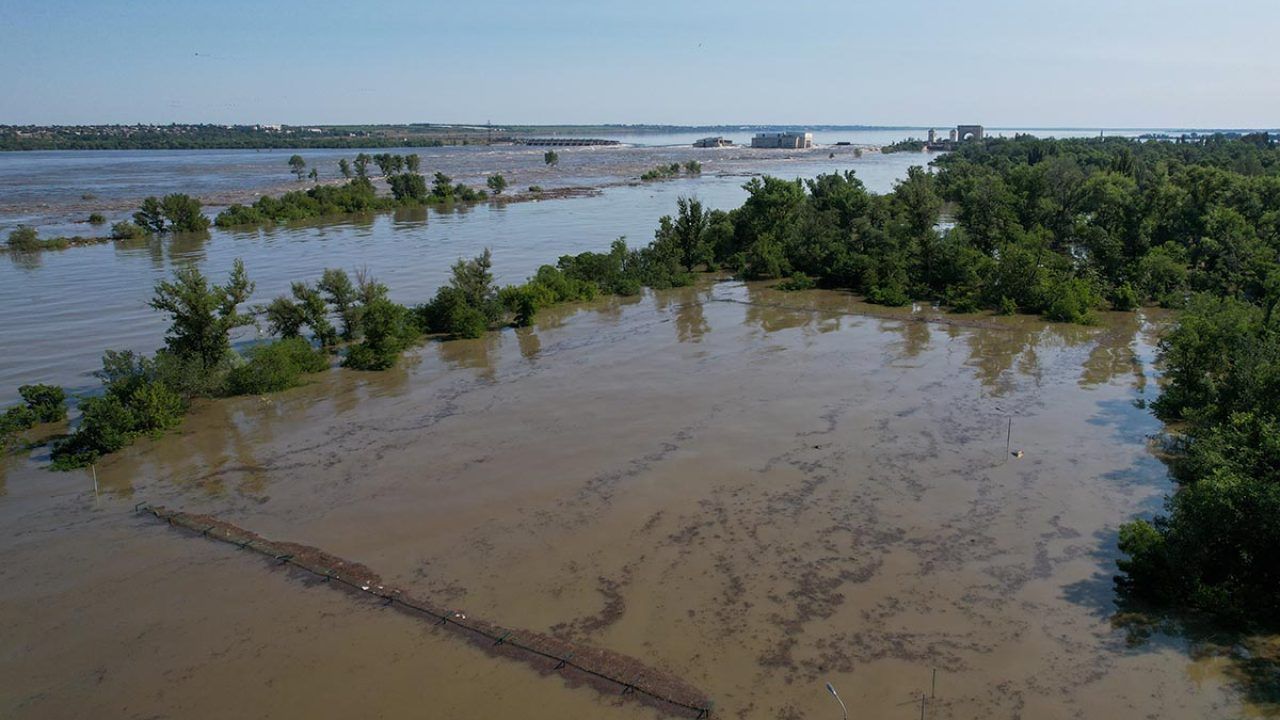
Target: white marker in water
x,y
831,689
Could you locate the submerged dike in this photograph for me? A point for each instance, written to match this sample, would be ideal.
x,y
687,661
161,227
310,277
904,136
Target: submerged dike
x,y
608,672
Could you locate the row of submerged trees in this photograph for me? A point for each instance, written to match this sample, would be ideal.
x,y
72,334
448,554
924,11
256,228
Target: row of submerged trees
x,y
336,314
409,188
175,212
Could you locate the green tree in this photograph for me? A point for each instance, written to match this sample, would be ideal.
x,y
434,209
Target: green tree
x,y
413,163
297,166
496,183
24,238
202,316
442,188
551,158
47,403
151,215
408,187
184,213
473,279
341,294
284,317
686,235
344,167
388,330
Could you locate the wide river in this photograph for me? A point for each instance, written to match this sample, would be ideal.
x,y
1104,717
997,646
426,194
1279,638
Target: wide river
x,y
758,492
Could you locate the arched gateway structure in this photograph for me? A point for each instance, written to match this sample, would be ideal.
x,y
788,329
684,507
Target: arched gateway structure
x,y
970,132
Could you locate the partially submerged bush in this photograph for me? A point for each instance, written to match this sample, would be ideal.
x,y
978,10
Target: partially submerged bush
x,y
24,239
891,294
175,212
356,196
388,330
48,403
135,403
798,281
125,230
15,420
1072,300
41,403
275,366
468,305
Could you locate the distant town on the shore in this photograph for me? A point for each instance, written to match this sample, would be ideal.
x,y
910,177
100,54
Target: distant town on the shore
x,y
176,136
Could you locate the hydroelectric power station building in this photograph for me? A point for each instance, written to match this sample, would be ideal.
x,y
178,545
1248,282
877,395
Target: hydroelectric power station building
x,y
788,140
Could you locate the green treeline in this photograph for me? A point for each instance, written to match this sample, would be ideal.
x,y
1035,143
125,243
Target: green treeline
x,y
1056,227
1217,547
199,137
1188,225
692,168
358,195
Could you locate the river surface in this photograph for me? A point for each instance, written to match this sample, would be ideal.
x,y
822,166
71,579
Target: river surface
x,y
760,492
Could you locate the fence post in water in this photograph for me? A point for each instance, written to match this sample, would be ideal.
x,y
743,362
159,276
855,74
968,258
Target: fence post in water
x,y
1008,441
94,468
933,689
922,701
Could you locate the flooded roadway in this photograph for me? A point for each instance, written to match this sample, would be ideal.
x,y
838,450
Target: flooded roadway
x,y
759,491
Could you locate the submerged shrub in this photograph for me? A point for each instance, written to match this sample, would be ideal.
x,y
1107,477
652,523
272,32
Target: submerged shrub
x,y
388,330
135,402
466,321
892,294
24,239
48,403
41,403
1125,297
15,420
798,281
275,366
1071,300
125,230
408,187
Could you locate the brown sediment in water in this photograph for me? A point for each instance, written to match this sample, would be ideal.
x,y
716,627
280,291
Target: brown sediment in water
x,y
606,671
758,497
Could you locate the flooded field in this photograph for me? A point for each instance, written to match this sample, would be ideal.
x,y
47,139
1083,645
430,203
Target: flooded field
x,y
759,492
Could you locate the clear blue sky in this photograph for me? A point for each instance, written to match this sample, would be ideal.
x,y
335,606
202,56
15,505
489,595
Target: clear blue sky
x,y
1028,63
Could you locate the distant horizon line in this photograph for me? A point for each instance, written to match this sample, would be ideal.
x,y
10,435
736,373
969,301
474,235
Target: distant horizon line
x,y
651,126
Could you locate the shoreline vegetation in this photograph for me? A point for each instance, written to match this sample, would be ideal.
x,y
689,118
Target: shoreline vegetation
x,y
1058,228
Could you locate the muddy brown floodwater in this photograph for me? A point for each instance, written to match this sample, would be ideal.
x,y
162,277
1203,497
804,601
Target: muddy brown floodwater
x,y
758,492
